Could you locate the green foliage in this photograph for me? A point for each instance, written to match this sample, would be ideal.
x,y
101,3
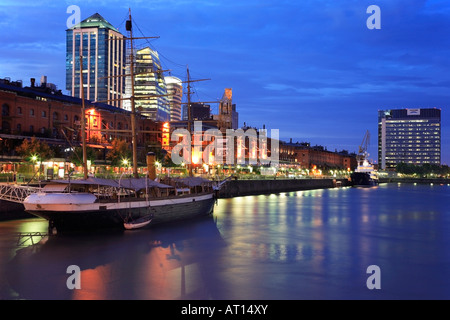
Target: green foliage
x,y
35,148
120,151
423,170
76,157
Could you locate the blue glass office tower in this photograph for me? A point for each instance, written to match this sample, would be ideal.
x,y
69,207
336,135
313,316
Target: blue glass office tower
x,y
410,136
104,57
150,91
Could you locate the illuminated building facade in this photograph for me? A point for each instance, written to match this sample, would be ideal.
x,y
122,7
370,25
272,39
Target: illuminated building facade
x,y
149,86
174,88
308,157
104,56
56,118
410,136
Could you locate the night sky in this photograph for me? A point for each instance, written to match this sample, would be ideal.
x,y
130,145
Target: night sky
x,y
310,68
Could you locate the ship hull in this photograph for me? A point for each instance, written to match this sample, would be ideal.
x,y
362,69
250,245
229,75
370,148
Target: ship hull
x,y
68,217
363,179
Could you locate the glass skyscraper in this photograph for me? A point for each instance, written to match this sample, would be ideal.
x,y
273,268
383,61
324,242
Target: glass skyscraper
x,y
410,136
104,56
175,92
149,86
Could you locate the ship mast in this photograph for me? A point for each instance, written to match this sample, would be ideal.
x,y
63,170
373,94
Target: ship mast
x,y
189,113
133,107
83,119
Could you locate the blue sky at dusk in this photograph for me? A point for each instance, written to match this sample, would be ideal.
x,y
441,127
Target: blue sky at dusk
x,y
310,68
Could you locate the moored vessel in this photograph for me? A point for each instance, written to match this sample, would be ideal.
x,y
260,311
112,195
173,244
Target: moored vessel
x,y
365,174
104,203
100,203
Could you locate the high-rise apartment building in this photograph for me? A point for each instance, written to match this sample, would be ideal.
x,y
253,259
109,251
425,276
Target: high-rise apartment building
x,y
149,86
174,88
104,56
410,136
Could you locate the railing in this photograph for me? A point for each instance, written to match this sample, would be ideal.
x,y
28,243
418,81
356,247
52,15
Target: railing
x,y
16,193
25,237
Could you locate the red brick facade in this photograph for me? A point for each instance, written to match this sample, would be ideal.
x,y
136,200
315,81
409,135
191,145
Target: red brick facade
x,y
38,112
309,157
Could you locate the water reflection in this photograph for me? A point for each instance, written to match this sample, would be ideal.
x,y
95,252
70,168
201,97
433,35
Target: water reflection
x,y
158,263
298,245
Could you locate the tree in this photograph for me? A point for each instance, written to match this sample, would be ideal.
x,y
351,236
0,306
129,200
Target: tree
x,y
77,155
120,151
34,150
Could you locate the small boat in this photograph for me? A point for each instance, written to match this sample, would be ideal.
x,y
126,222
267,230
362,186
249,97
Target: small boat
x,y
138,223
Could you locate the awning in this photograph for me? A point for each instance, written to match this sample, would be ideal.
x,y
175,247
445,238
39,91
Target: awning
x,y
54,188
129,183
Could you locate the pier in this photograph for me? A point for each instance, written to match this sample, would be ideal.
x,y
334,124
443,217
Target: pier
x,y
237,188
16,193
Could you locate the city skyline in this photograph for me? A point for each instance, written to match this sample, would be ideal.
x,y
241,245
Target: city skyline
x,y
311,69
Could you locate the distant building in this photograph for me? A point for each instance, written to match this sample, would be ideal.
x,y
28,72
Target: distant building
x,y
104,56
149,86
174,88
410,136
199,112
228,117
308,157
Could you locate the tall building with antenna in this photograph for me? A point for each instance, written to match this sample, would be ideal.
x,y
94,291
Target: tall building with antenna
x,y
149,86
104,57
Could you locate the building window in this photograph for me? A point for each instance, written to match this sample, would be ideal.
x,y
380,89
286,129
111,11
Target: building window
x,y
6,127
19,110
19,127
44,114
5,110
66,117
55,116
31,112
31,129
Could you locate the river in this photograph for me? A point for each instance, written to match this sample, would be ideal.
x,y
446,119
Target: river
x,y
315,244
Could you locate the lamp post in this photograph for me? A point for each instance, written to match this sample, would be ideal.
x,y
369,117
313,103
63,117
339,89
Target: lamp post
x,y
125,163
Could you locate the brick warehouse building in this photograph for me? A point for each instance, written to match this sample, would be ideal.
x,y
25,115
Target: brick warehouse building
x,y
308,157
49,115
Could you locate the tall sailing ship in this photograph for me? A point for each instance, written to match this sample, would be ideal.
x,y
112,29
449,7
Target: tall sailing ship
x,y
99,203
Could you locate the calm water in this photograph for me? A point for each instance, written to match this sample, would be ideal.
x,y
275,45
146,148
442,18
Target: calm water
x,y
298,245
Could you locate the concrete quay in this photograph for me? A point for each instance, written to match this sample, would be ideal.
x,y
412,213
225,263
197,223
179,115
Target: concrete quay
x,y
237,188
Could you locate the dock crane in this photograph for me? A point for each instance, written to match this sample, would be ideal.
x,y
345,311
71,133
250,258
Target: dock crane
x,y
362,153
